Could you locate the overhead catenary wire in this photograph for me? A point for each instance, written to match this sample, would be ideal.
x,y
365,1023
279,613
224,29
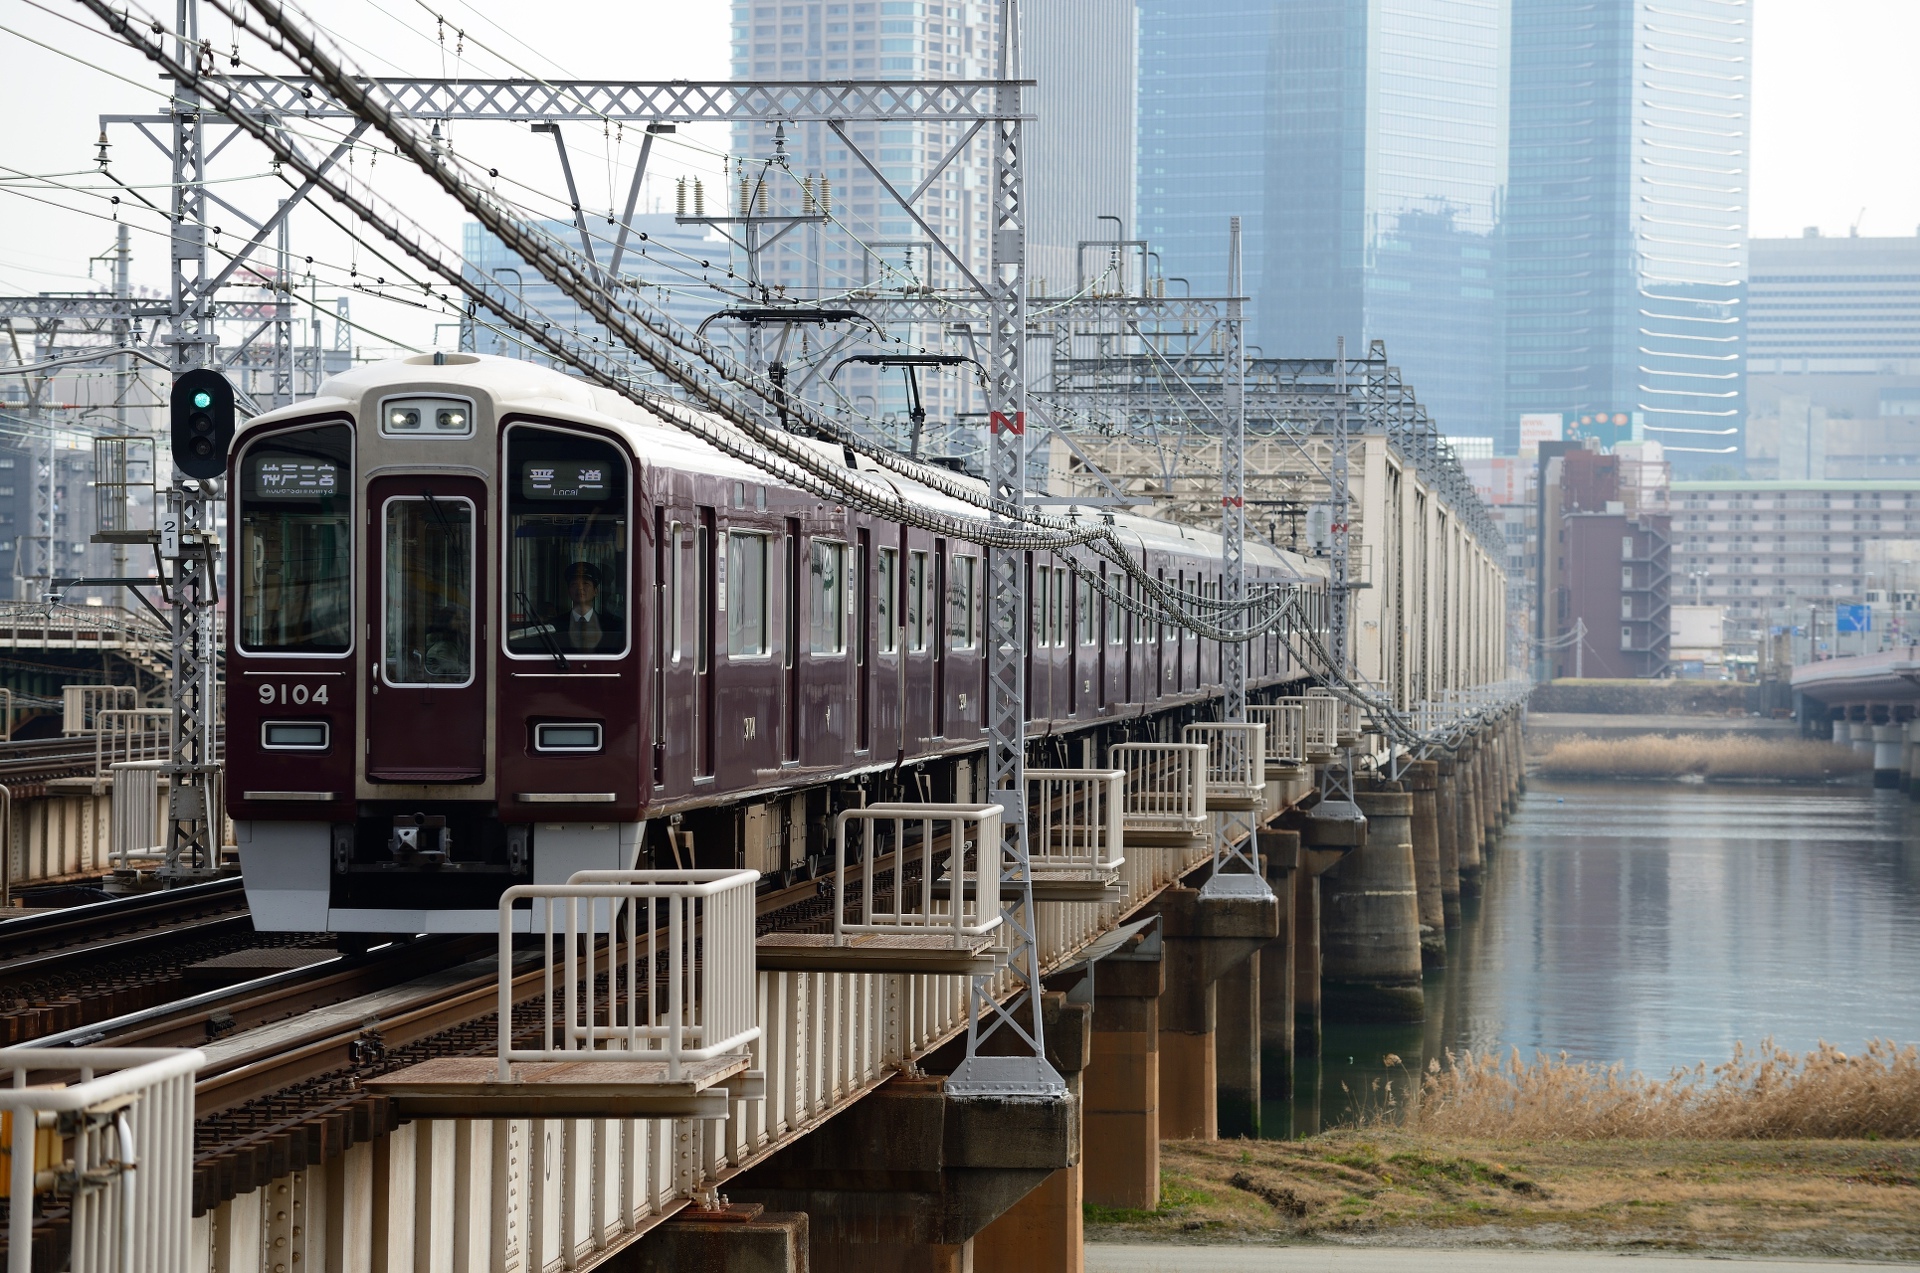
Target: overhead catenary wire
x,y
772,450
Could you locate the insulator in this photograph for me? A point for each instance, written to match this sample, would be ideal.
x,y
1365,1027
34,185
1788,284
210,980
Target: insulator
x,y
680,198
699,198
826,197
763,198
746,197
806,196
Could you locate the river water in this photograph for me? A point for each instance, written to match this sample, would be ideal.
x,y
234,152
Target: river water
x,y
1657,924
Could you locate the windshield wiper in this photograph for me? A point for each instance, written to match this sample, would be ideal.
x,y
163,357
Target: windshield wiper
x,y
544,630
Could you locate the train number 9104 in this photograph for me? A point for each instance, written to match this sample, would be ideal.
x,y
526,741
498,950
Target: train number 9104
x,y
280,695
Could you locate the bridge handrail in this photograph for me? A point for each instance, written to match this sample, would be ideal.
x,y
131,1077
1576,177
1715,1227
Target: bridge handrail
x,y
1166,785
975,826
689,932
1076,815
128,1130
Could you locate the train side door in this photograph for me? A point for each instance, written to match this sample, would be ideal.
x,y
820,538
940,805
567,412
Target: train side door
x,y
427,701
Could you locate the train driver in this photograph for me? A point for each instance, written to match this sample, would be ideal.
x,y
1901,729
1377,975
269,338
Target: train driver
x,y
588,626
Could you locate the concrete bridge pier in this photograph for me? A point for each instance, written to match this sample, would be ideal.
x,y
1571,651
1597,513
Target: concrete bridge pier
x,y
908,1179
1447,810
1910,760
1493,812
1889,741
1421,781
1860,733
1471,830
1842,732
1243,1034
1205,940
1284,861
1323,842
1121,1086
1370,920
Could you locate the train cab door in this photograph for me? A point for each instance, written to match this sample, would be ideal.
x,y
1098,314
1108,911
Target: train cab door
x,y
427,701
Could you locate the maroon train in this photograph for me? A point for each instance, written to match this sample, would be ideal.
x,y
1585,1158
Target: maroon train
x,y
490,625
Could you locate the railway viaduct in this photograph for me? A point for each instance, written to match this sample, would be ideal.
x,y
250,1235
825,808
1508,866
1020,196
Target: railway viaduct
x,y
347,1113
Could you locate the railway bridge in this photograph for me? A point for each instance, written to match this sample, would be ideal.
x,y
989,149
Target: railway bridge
x,y
347,1110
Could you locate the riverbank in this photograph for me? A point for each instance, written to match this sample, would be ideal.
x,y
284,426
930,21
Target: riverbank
x,y
1851,1198
1701,756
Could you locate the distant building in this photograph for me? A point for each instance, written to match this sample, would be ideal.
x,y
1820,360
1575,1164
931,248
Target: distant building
x,y
1363,144
1624,228
1769,552
1834,358
1080,156
1606,576
1386,159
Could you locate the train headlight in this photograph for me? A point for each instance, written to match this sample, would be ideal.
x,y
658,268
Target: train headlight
x,y
452,421
567,736
402,420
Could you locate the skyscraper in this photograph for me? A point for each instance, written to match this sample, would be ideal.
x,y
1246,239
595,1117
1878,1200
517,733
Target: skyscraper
x,y
1364,142
1626,217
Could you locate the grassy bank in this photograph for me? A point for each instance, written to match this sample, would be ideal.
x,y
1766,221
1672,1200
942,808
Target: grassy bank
x,y
1770,1153
1728,758
1776,1197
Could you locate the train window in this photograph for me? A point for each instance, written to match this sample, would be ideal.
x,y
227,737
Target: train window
x,y
887,598
960,593
566,545
827,619
1060,605
426,418
746,594
296,543
1084,619
918,620
1116,624
678,542
294,735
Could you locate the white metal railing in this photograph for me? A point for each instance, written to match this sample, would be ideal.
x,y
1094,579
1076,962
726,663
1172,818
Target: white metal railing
x,y
1286,724
1074,822
1346,715
938,839
136,818
1321,713
112,1129
1166,787
1236,758
673,979
81,705
122,734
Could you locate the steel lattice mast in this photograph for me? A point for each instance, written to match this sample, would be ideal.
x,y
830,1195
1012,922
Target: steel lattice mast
x,y
187,537
1028,1073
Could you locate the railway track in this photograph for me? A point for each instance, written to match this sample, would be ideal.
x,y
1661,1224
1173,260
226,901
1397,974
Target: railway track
x,y
63,970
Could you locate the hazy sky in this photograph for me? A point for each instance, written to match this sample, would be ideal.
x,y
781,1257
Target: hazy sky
x,y
1836,120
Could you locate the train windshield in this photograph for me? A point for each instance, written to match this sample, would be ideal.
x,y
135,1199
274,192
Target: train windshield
x,y
566,545
296,543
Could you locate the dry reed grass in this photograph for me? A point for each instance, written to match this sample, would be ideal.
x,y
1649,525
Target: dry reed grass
x,y
1701,756
1767,1093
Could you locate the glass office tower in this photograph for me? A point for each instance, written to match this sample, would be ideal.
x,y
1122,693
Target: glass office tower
x,y
1364,143
1626,219
1386,168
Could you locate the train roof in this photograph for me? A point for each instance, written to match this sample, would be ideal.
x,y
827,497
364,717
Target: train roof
x,y
516,386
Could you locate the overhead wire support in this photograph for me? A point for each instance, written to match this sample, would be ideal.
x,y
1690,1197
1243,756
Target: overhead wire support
x,y
187,538
1027,1073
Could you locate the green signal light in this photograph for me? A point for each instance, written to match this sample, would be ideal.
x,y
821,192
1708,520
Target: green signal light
x,y
203,400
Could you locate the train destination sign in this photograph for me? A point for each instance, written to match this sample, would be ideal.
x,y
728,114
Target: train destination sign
x,y
294,477
564,479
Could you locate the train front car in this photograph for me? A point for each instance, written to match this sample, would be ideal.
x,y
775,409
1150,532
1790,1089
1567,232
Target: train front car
x,y
432,674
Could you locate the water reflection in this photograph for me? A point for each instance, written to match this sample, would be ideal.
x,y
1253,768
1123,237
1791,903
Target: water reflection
x,y
1657,924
